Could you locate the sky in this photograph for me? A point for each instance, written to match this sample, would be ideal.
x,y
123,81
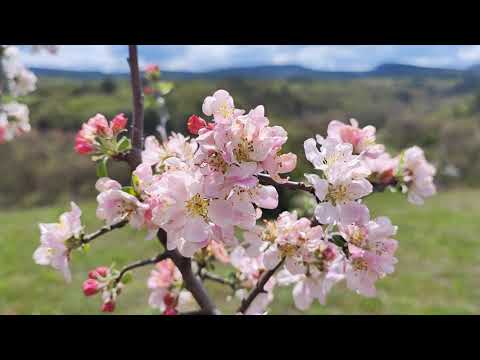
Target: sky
x,y
197,58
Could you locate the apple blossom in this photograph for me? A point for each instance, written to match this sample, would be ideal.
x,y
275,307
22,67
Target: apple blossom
x,y
418,175
56,241
362,140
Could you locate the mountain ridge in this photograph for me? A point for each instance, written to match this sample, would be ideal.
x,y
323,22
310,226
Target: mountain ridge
x,y
275,72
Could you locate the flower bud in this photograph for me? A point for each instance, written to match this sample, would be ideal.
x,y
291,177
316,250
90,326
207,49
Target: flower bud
x,y
195,123
99,271
118,123
90,287
169,300
108,306
170,311
82,145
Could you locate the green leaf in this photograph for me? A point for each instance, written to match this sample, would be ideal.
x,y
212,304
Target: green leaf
x,y
129,190
102,170
127,278
124,145
164,87
339,241
136,182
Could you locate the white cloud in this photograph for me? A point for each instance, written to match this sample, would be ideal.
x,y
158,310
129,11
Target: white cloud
x,y
78,57
470,53
109,58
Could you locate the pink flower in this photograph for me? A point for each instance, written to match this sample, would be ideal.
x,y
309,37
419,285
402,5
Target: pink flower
x,y
115,205
382,168
362,140
54,249
372,253
118,123
316,285
185,216
177,152
220,105
418,175
164,275
90,287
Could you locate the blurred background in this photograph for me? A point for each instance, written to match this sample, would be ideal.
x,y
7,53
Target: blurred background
x,y
423,95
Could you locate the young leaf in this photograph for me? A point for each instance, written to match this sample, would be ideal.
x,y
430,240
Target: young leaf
x,y
124,145
129,190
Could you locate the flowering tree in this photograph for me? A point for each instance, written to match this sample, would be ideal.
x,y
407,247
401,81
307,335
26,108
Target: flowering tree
x,y
202,199
15,81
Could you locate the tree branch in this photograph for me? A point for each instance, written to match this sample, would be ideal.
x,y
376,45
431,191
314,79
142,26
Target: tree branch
x,y
141,263
290,185
205,275
135,155
259,288
87,238
192,282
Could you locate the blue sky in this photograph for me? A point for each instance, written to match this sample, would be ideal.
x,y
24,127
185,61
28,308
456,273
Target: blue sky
x,y
110,58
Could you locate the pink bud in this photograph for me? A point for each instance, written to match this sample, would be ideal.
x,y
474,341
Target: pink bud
x,y
147,90
195,123
108,306
90,287
99,271
169,300
118,123
82,145
152,68
170,311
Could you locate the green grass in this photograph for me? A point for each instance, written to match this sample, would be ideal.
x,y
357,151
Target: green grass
x,y
438,270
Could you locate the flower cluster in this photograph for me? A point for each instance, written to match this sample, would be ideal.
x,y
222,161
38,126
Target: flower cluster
x,y
207,194
410,172
14,121
100,136
20,80
201,190
105,280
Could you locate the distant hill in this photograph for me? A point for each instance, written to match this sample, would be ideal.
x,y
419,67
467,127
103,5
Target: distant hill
x,y
276,72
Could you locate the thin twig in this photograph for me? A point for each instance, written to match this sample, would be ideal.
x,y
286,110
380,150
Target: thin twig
x,y
141,263
87,238
205,275
259,288
290,185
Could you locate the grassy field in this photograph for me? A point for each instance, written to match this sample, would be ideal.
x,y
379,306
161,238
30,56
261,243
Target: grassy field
x,y
438,270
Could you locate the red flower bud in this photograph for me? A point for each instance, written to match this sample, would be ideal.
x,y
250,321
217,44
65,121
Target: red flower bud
x,y
99,271
152,68
169,300
118,123
147,90
82,145
90,287
195,123
108,306
387,177
170,311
